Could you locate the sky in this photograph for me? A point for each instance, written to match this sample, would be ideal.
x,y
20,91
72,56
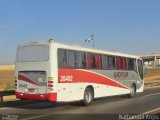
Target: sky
x,y
128,26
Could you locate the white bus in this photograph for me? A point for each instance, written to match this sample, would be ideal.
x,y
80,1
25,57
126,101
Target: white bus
x,y
57,72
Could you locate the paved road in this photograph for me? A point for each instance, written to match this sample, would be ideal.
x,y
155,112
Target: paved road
x,y
147,102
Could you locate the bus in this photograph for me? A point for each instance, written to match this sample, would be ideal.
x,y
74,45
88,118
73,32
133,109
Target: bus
x,y
58,72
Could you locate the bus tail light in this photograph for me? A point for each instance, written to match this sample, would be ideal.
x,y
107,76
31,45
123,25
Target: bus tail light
x,y
50,82
15,81
49,86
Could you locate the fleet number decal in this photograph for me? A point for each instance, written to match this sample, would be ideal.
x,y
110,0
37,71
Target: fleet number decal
x,y
67,78
23,85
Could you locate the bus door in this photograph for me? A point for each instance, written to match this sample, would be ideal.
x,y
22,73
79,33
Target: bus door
x,y
140,71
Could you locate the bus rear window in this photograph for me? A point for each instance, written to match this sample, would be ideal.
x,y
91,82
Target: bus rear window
x,y
33,53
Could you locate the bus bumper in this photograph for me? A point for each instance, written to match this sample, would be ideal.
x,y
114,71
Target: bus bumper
x,y
48,96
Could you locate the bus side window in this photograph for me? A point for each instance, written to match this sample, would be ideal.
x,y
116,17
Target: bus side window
x,y
89,60
80,60
98,61
131,63
84,60
118,62
121,63
111,62
62,58
104,61
71,59
124,64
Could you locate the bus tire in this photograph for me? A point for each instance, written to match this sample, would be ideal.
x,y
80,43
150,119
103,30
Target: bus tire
x,y
88,96
132,91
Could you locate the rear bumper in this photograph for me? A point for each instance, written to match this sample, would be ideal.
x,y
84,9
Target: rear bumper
x,y
47,96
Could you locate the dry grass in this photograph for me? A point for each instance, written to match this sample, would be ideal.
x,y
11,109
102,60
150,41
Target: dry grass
x,y
152,78
153,74
7,67
7,77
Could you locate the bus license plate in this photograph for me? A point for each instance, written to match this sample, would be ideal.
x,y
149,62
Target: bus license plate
x,y
31,90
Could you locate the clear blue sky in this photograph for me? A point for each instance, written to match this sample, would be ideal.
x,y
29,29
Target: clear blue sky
x,y
130,26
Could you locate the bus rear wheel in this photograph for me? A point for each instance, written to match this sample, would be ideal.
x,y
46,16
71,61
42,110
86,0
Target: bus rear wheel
x,y
88,96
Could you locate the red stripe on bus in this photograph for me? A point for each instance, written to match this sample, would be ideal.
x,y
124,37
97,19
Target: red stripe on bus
x,y
74,76
26,79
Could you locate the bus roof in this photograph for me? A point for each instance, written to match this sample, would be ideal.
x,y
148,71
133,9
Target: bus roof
x,y
77,47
